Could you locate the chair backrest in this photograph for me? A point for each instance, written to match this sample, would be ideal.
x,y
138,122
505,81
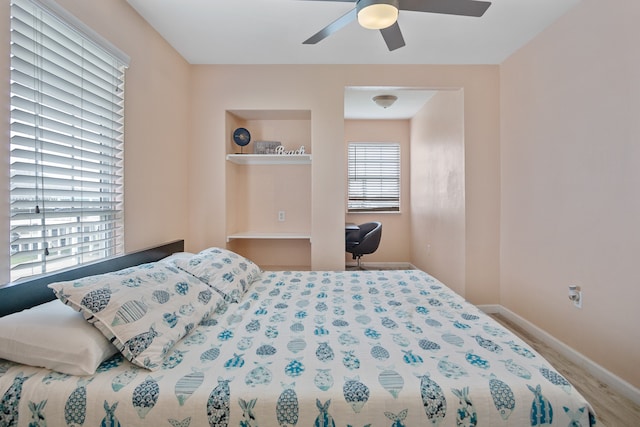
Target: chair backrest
x,y
370,235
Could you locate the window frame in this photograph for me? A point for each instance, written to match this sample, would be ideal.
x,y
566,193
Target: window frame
x,y
384,196
41,33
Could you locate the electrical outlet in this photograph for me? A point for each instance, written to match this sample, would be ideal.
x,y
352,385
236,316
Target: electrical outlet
x,y
575,295
281,216
578,301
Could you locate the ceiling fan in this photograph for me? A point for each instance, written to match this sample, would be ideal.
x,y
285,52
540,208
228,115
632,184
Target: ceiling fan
x,y
383,15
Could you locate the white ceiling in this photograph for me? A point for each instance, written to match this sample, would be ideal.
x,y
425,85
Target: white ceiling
x,y
358,102
272,32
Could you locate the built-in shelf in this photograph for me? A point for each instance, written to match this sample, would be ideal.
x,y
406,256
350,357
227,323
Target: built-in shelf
x,y
270,159
265,235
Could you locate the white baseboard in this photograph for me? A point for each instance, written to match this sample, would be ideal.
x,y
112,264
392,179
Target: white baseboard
x,y
615,382
384,265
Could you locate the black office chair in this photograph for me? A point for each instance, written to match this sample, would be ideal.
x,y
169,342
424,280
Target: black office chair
x,y
364,241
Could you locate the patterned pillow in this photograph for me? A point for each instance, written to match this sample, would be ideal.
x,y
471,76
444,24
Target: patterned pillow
x,y
144,310
228,273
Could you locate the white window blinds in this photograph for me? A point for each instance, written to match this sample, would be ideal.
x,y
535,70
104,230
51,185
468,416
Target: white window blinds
x,y
373,177
67,99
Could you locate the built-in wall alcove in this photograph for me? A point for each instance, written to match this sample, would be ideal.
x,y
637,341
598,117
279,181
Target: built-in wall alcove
x,y
268,195
429,231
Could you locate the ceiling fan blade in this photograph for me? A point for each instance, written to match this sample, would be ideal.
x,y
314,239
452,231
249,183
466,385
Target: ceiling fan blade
x,y
449,7
332,28
345,1
393,36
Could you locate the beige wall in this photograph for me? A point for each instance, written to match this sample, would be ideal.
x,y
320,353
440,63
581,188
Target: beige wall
x,y
570,172
320,89
156,129
438,191
395,245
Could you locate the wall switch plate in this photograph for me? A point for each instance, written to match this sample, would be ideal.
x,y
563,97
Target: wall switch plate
x,y
281,216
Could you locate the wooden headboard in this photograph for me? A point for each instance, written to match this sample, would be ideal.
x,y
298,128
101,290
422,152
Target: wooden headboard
x,y
28,293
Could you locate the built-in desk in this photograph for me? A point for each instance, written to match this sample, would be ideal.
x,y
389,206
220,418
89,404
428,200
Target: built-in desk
x,y
349,226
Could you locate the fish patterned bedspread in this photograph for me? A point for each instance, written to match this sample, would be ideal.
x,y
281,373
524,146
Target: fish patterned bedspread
x,y
317,349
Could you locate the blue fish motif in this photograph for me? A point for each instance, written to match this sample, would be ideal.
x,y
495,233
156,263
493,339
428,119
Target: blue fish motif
x,y
287,408
323,379
372,333
110,363
180,423
555,378
210,354
37,416
503,397
425,344
294,368
517,369
160,296
355,393
129,312
324,352
55,376
477,360
466,415
96,300
432,322
182,288
145,396
218,406
253,326
248,416
451,369
123,379
433,400
411,359
350,360
271,332
260,375
453,339
541,409
401,340
575,416
397,418
324,418
488,344
75,409
110,419
188,384
140,342
245,343
521,350
379,352
296,345
236,361
391,381
11,400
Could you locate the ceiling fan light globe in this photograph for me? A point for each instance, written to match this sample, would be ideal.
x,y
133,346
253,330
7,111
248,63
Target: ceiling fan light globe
x,y
377,14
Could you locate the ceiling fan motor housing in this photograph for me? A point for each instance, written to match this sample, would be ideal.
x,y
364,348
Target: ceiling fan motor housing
x,y
377,14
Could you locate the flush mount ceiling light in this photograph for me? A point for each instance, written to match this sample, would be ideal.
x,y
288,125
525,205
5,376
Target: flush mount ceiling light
x,y
383,15
385,101
377,14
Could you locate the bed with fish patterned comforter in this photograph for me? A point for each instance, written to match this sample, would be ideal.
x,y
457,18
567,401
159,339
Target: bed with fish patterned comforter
x,y
317,349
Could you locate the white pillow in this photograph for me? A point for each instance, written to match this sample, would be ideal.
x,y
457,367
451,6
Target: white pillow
x,y
53,336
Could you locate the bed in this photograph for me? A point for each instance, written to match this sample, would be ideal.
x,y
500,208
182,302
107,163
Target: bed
x,y
286,348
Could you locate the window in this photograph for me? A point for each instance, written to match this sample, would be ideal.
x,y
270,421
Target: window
x,y
374,177
67,99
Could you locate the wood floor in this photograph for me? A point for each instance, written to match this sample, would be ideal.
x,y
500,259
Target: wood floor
x,y
612,409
